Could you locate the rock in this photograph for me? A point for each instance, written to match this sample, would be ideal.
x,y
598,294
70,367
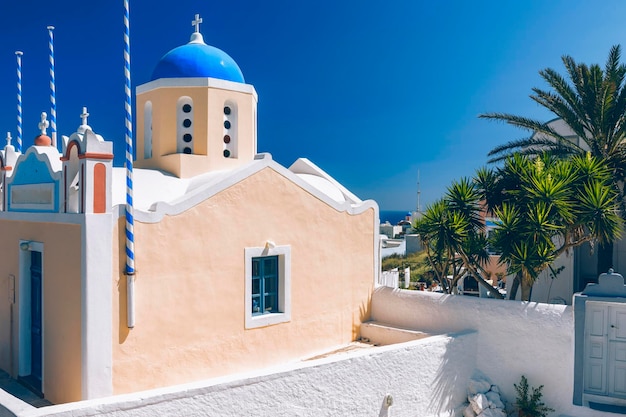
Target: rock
x,y
494,399
469,412
478,403
478,386
484,398
493,412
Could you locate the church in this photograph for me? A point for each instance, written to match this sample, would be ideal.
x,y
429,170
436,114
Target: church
x,y
241,263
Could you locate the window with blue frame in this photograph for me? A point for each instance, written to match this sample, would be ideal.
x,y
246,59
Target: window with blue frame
x,y
265,285
267,275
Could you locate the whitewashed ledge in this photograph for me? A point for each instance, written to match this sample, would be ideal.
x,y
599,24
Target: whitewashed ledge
x,y
11,406
355,383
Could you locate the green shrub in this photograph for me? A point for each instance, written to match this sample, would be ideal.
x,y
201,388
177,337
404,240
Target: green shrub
x,y
528,400
420,269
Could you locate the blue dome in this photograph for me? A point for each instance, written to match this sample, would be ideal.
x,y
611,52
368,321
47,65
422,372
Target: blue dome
x,y
197,59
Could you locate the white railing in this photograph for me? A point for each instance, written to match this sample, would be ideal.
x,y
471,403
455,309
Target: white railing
x,y
389,278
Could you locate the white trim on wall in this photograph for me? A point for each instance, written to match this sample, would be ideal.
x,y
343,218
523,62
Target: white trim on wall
x,y
97,307
197,82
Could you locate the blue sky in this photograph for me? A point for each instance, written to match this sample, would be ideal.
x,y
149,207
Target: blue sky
x,y
370,91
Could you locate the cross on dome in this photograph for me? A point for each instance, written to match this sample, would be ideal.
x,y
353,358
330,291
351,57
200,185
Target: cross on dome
x,y
196,22
196,36
9,138
43,125
84,116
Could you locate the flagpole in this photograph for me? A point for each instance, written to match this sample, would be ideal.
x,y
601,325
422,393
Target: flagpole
x,y
19,100
53,101
130,234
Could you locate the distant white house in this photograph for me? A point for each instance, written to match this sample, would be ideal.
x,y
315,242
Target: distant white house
x,y
390,230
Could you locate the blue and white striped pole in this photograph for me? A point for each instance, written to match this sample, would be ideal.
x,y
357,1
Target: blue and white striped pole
x,y
53,101
19,100
130,233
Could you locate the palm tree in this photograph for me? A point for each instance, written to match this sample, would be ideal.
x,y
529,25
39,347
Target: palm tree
x,y
545,207
439,230
592,103
452,233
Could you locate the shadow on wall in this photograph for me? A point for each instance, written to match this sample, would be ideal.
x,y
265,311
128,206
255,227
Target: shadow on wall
x,y
123,331
455,364
365,314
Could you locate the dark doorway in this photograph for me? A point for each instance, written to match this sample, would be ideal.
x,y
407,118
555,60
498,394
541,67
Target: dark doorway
x,y
33,381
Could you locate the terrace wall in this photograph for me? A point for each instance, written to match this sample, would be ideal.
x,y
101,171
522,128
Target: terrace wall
x,y
427,377
514,338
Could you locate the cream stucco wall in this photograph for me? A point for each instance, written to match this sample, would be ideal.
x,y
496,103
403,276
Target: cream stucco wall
x,y
190,284
61,303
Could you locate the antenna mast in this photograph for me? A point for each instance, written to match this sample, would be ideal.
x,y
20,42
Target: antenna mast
x,y
419,209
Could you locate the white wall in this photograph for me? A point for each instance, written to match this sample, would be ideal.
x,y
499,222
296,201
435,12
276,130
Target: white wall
x,y
514,338
553,291
425,377
389,278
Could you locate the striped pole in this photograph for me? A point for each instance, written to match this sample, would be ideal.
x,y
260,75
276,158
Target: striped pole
x,y
130,234
53,101
19,100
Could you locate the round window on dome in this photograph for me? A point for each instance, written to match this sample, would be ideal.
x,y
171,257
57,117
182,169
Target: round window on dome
x,y
187,108
226,153
226,110
187,137
187,122
226,138
187,150
227,124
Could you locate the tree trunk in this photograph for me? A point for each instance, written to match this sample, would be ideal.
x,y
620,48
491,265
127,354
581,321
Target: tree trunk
x,y
514,287
444,285
527,285
605,258
526,292
453,285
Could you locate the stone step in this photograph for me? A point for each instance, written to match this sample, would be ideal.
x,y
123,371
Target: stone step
x,y
382,334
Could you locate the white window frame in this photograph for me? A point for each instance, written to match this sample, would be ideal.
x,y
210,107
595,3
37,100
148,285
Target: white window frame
x,y
284,286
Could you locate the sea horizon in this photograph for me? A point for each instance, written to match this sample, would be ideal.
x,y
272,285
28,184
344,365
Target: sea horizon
x,y
393,216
